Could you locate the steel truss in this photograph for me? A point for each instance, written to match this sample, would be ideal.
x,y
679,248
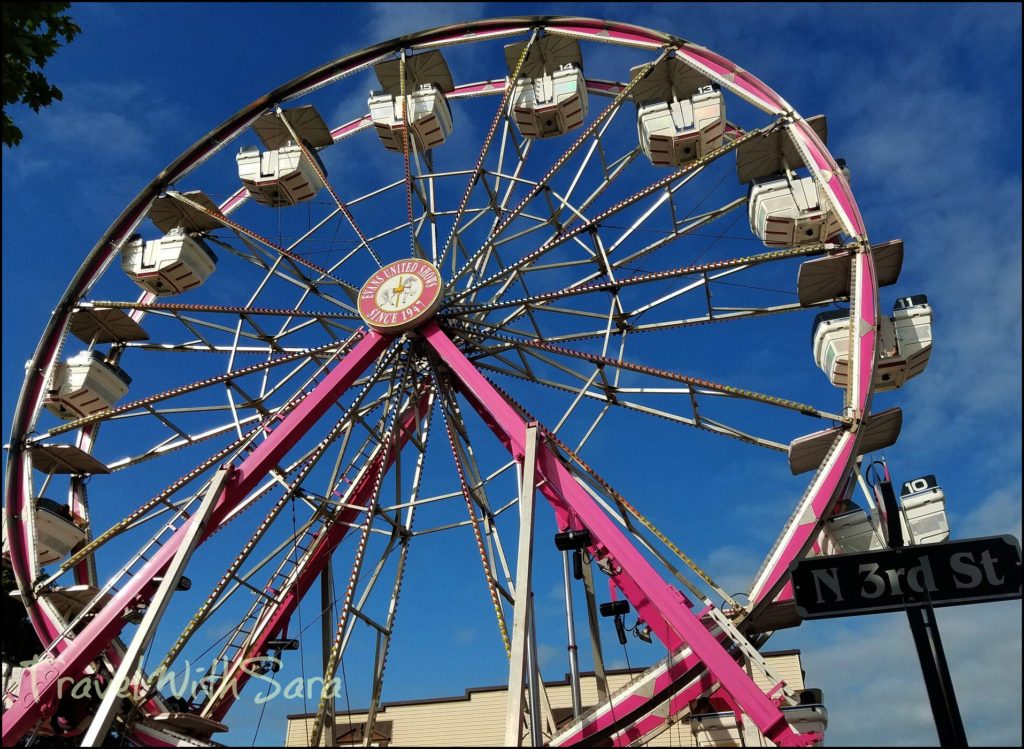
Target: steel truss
x,y
312,417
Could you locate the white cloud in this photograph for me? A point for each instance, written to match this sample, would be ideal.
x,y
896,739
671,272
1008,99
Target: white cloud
x,y
390,20
106,140
999,513
871,676
118,121
551,657
873,687
733,567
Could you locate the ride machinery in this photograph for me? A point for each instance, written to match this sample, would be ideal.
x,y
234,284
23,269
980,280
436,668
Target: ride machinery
x,y
330,372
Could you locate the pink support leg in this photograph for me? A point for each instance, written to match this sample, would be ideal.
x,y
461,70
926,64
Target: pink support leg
x,y
38,687
321,549
662,606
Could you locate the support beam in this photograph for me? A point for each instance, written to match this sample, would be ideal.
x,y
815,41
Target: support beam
x,y
521,623
327,637
595,632
355,499
109,707
38,695
662,606
570,626
533,677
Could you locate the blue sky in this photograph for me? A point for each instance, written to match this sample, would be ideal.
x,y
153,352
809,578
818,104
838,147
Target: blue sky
x,y
924,101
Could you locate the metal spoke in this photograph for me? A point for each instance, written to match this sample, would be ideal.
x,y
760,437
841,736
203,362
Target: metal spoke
x,y
241,230
696,421
499,115
343,426
200,384
694,382
596,221
346,608
589,286
605,114
446,399
314,163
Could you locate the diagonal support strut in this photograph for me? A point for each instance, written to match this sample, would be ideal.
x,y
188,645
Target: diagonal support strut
x,y
662,606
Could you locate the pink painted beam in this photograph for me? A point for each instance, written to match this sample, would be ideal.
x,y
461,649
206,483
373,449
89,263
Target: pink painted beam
x,y
802,531
299,420
38,687
661,605
732,77
820,161
865,358
605,31
833,478
322,547
676,673
678,703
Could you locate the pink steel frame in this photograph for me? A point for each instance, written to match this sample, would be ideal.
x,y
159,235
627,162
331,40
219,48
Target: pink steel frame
x,y
320,553
39,685
662,605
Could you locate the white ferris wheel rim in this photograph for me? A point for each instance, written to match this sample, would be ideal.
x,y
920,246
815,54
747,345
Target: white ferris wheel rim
x,y
863,297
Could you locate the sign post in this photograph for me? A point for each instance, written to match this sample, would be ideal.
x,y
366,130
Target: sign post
x,y
948,722
924,628
914,579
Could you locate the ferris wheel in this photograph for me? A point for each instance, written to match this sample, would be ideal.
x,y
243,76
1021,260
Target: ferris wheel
x,y
342,328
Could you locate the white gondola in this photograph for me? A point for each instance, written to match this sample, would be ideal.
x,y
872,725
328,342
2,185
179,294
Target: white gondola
x,y
172,264
180,260
805,718
789,211
905,343
719,729
70,601
784,209
912,326
56,534
279,178
722,728
677,133
427,80
924,511
85,384
283,175
549,94
849,532
428,114
552,104
680,113
922,518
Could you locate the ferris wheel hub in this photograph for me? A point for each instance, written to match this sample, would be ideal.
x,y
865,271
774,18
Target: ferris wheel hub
x,y
400,296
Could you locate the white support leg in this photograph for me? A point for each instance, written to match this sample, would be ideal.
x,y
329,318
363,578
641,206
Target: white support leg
x,y
595,633
144,634
521,617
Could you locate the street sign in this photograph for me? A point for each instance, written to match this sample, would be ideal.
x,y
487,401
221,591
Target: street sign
x,y
975,570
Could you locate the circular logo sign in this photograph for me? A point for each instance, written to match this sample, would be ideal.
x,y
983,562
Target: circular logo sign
x,y
400,296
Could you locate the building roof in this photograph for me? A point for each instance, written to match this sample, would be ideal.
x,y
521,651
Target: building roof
x,y
467,695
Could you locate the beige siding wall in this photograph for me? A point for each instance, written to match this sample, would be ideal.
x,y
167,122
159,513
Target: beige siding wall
x,y
479,719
